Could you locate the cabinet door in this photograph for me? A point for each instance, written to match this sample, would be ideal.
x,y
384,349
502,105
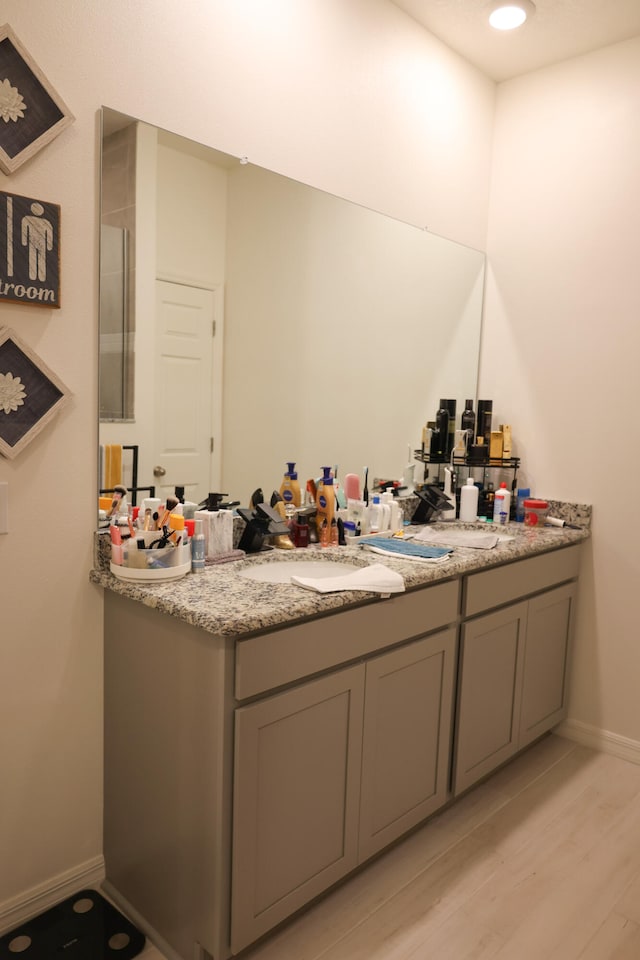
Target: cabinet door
x,y
489,693
407,738
546,662
296,795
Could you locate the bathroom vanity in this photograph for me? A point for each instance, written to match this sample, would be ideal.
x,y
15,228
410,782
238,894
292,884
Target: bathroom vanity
x,y
263,741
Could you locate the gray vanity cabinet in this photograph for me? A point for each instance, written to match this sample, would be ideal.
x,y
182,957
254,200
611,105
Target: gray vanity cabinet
x,y
406,739
246,775
546,662
296,795
513,671
329,772
489,693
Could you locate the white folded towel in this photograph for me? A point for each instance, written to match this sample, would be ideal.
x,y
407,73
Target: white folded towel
x,y
375,578
459,538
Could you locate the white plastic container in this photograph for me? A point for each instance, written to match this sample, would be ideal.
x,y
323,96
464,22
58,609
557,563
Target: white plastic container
x,y
469,501
502,504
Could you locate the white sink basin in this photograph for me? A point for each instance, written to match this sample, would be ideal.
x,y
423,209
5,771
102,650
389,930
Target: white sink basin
x,y
281,571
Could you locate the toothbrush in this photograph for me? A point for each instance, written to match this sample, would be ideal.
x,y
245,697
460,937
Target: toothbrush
x,y
365,492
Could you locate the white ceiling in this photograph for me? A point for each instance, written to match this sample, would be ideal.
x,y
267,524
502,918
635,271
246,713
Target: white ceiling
x,y
559,29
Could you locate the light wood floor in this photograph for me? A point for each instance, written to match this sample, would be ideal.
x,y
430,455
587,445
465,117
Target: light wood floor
x,y
540,862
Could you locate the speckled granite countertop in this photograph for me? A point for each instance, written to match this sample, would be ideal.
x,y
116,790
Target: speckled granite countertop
x,y
221,602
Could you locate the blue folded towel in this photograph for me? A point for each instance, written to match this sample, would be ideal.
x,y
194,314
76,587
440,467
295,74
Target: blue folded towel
x,y
404,548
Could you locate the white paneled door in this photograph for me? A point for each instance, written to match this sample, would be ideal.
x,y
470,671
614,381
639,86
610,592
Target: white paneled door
x,y
188,389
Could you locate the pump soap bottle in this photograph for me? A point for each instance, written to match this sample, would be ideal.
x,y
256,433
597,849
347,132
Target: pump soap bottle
x,y
290,488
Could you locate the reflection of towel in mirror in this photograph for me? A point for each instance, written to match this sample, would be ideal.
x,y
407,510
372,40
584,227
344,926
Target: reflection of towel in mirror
x,y
112,465
376,578
217,527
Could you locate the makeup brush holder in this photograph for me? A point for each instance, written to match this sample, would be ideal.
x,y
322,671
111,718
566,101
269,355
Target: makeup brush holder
x,y
151,564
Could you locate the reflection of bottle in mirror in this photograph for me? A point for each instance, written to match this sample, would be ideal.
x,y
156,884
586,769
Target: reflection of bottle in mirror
x,y
451,407
442,428
408,475
489,498
485,416
468,423
434,440
450,494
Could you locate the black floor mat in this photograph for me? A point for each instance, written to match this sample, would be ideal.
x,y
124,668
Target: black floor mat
x,y
83,927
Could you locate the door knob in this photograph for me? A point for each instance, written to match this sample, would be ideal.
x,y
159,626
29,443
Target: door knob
x,y
159,471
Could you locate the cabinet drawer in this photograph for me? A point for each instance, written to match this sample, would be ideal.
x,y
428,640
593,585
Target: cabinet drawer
x,y
273,659
492,588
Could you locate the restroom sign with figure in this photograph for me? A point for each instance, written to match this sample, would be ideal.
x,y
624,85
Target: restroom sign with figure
x,y
29,251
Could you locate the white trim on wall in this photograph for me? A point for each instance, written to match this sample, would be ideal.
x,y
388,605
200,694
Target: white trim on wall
x,y
597,739
35,901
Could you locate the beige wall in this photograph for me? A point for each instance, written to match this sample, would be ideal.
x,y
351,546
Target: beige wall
x,y
562,338
349,95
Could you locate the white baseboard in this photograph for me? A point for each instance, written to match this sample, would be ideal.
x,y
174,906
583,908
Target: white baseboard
x,y
598,739
45,895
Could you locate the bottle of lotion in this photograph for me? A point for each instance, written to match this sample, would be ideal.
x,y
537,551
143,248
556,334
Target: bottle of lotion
x,y
290,488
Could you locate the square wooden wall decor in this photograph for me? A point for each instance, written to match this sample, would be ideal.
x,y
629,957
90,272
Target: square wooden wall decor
x,y
30,394
31,112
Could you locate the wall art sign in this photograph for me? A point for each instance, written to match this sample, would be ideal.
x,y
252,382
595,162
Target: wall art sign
x,y
29,250
30,394
32,114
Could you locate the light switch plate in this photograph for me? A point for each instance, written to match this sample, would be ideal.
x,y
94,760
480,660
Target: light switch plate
x,y
4,507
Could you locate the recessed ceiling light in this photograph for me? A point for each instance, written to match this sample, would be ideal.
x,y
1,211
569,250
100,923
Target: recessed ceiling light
x,y
509,14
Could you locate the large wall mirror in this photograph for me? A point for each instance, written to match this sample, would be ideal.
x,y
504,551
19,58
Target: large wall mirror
x,y
248,320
